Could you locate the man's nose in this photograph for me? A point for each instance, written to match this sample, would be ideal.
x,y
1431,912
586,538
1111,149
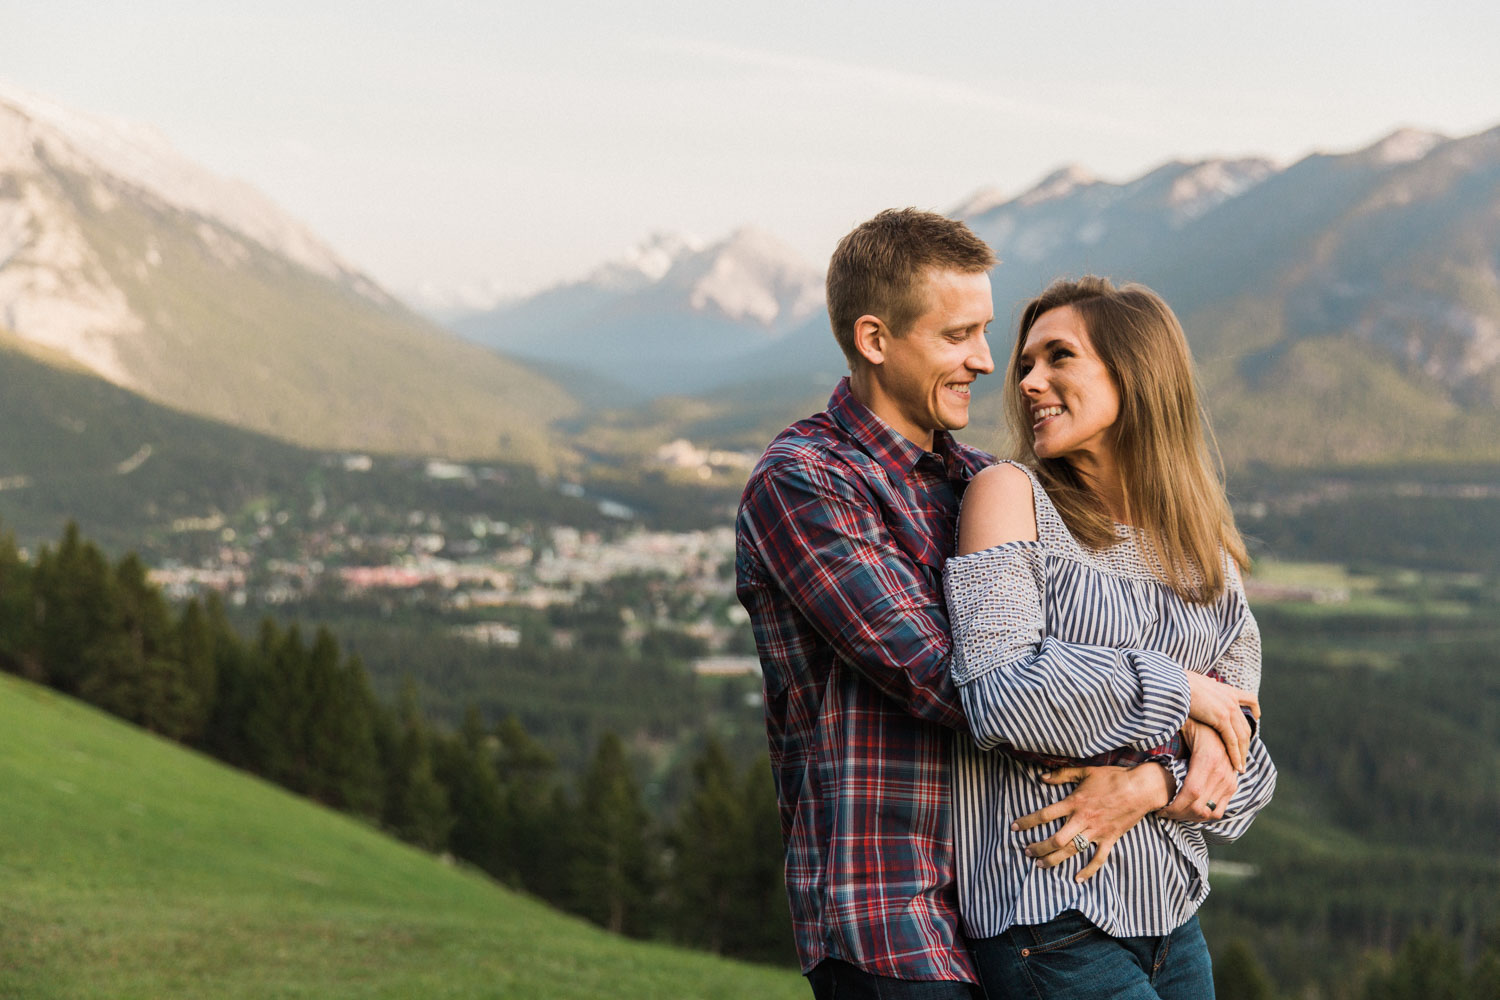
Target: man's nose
x,y
981,361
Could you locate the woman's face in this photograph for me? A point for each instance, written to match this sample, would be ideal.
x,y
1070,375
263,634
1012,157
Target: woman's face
x,y
1069,393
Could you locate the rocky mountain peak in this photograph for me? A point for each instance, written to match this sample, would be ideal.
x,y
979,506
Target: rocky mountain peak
x,y
1058,184
750,276
1203,186
1405,145
138,156
646,263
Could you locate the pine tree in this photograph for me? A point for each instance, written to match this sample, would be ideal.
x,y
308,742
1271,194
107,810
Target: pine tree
x,y
132,667
195,649
710,866
416,805
339,739
613,877
17,639
536,824
280,704
464,764
1428,967
236,666
765,934
71,608
1238,975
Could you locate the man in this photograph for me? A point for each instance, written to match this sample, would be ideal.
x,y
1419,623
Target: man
x,y
841,537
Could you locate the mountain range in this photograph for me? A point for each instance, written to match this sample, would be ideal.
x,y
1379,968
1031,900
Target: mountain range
x,y
1343,308
121,257
671,316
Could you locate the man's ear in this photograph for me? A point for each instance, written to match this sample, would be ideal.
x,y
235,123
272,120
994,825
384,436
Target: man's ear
x,y
870,338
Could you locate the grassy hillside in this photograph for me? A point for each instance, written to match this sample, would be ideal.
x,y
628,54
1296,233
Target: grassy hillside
x,y
133,868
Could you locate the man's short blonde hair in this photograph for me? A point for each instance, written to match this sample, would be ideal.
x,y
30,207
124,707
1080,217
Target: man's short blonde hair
x,y
880,269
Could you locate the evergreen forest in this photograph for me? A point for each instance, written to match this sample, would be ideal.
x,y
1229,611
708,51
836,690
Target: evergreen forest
x,y
613,783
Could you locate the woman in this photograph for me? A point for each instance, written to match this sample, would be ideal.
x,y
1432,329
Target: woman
x,y
1096,607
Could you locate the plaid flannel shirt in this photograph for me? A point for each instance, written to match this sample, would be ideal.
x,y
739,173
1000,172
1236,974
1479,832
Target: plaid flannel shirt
x,y
841,537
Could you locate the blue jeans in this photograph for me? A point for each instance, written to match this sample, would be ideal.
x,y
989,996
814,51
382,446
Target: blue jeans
x,y
832,979
1068,958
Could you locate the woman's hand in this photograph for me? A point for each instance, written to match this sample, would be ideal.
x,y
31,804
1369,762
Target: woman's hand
x,y
1107,802
1211,778
1220,707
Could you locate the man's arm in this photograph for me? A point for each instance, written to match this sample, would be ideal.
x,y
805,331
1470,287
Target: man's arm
x,y
821,540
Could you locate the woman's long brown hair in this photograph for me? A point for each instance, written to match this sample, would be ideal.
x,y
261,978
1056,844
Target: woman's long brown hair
x,y
1173,484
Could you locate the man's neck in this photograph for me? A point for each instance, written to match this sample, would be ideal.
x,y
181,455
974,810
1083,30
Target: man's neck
x,y
865,389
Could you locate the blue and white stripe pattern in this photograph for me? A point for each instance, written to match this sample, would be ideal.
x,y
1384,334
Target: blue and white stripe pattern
x,y
1067,651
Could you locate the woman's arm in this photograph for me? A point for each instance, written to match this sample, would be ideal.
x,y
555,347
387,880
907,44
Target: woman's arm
x,y
1201,778
1039,694
1235,805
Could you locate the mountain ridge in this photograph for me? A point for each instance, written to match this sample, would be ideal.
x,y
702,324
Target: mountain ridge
x,y
1343,307
665,316
262,327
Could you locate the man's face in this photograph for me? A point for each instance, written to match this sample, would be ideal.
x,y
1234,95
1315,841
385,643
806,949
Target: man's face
x,y
922,384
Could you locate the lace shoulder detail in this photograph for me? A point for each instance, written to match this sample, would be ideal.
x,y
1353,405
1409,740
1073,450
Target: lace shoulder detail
x,y
1050,529
1125,558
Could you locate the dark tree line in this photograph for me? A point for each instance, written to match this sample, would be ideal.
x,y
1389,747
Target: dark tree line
x,y
301,713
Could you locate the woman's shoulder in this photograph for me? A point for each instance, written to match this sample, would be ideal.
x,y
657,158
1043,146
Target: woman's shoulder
x,y
1005,474
999,506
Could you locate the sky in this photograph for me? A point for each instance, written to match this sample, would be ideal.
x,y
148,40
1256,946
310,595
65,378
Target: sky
x,y
501,147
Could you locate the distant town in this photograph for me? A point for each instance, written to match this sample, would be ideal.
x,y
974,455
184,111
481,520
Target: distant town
x,y
472,565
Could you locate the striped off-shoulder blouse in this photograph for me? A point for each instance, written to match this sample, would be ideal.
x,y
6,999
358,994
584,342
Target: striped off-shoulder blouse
x,y
1064,651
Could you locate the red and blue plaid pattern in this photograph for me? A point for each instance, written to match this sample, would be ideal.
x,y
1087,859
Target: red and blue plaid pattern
x,y
841,537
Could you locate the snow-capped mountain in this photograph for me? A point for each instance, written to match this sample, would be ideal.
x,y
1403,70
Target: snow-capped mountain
x,y
140,156
1343,308
1070,207
669,316
644,264
122,256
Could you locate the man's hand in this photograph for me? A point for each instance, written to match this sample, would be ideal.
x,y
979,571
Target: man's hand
x,y
1211,779
1107,802
1220,707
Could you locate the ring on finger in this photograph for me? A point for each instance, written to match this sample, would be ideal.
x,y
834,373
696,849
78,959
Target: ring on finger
x,y
1080,843
1212,806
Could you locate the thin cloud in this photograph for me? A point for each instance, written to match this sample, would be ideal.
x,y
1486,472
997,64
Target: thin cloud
x,y
880,81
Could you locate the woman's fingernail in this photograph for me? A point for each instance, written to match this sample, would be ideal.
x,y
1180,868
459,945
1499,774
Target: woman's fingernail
x,y
1015,827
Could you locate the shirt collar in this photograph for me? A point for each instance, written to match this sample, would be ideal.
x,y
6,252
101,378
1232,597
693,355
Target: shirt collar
x,y
897,455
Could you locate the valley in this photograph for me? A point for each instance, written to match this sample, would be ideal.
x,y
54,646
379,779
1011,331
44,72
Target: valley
x,y
524,523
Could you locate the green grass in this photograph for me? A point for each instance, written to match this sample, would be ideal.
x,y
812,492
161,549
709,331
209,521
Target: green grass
x,y
1328,576
135,869
1396,594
